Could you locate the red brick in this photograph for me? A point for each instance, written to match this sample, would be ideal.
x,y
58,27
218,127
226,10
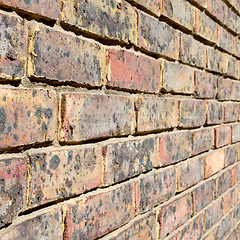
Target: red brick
x,y
157,37
216,61
235,173
130,71
141,227
156,113
236,90
203,195
192,113
13,50
229,200
215,113
13,183
225,89
231,111
175,147
177,78
61,173
174,214
128,158
232,67
51,51
231,155
214,162
203,140
185,17
95,215
98,17
225,39
235,215
205,84
46,8
189,173
155,188
223,182
235,132
213,214
223,136
27,116
89,116
43,224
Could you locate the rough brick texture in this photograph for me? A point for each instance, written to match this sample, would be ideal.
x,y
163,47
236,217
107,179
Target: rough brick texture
x,y
120,119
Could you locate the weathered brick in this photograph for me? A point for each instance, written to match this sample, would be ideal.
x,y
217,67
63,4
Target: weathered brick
x,y
43,224
229,200
214,162
203,140
177,78
142,227
225,89
232,20
50,9
223,228
185,17
88,116
130,71
232,66
235,132
157,37
174,214
128,158
231,112
27,116
13,181
153,5
225,39
213,214
155,188
203,195
156,113
235,215
233,235
95,215
13,46
223,136
60,173
217,61
215,113
111,19
192,51
189,173
236,46
201,3
223,182
175,147
234,174
192,113
217,10
236,90
231,155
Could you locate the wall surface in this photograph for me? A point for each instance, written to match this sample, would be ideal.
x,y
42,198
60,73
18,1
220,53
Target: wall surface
x,y
119,119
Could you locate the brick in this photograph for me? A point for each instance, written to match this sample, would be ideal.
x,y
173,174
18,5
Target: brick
x,y
229,200
215,113
192,51
174,214
232,67
63,173
231,112
201,3
223,136
89,116
214,162
49,9
157,37
156,188
128,158
143,226
153,5
223,228
189,173
177,78
233,235
185,17
235,215
225,39
217,61
130,71
13,46
203,140
95,215
232,20
236,90
213,214
225,89
51,51
236,132
231,155
234,175
156,113
205,26
114,19
236,46
217,10
175,147
223,182
13,181
192,113
43,224
203,195
27,116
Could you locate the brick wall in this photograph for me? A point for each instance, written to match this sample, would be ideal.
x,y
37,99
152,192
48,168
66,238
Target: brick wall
x,y
119,119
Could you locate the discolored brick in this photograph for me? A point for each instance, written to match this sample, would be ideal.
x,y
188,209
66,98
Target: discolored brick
x,y
235,132
229,199
151,5
225,89
223,182
231,112
225,39
223,135
217,10
223,228
236,90
231,155
215,113
232,66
